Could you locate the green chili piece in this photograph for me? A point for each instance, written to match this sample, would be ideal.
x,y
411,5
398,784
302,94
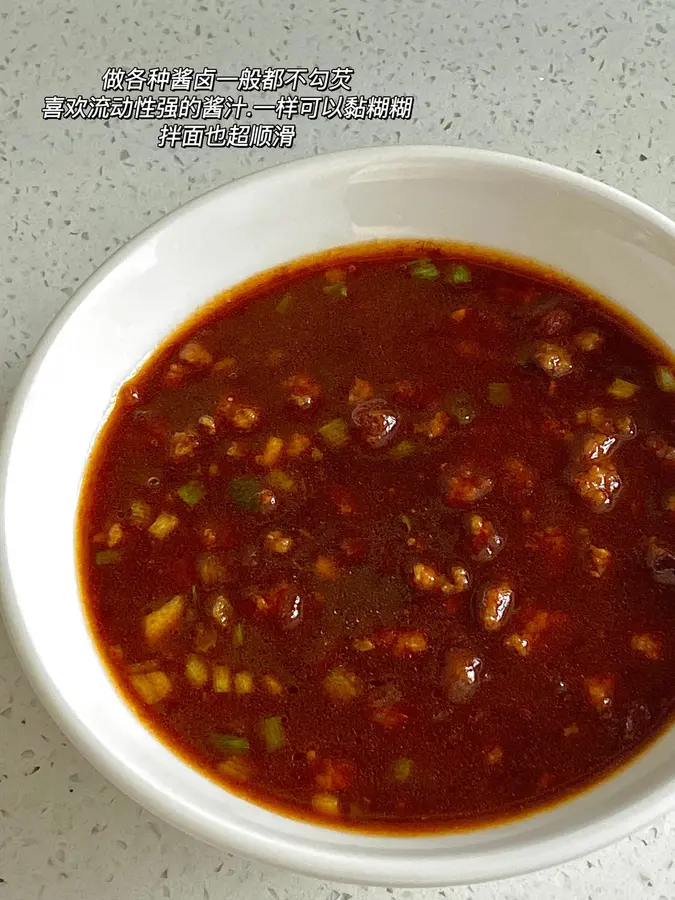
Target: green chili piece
x,y
245,491
191,493
107,557
229,743
273,732
423,268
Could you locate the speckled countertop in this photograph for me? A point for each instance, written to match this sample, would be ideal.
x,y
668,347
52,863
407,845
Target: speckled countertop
x,y
588,85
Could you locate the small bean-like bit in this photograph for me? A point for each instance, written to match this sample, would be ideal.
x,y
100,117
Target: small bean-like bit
x,y
243,683
208,423
376,421
277,542
326,805
335,775
597,562
303,391
494,604
194,354
237,450
435,426
211,569
425,578
341,685
554,360
669,501
600,691
245,418
597,446
485,541
466,487
272,453
598,485
183,444
360,390
587,341
222,611
409,643
571,730
457,582
461,675
115,535
242,417
646,644
494,756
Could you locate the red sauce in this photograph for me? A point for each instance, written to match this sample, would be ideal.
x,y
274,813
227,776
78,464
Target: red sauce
x,y
381,539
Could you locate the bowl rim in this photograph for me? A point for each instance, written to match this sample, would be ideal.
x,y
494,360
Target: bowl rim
x,y
336,863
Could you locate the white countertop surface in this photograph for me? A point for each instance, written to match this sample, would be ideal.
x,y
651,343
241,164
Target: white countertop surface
x,y
588,85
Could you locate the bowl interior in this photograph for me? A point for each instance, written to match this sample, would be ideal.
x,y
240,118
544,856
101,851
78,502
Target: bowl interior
x,y
612,243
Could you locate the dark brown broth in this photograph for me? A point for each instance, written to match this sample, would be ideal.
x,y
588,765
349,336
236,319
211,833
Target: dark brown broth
x,y
532,731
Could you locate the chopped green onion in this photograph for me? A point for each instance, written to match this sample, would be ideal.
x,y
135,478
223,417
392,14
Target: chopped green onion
x,y
107,557
407,521
499,393
245,492
622,390
335,433
140,514
243,683
665,379
196,671
191,493
459,274
163,525
273,732
423,268
462,409
238,635
402,769
222,681
337,289
284,304
229,743
402,449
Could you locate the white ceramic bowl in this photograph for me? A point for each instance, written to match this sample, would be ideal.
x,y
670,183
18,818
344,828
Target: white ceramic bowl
x,y
594,233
